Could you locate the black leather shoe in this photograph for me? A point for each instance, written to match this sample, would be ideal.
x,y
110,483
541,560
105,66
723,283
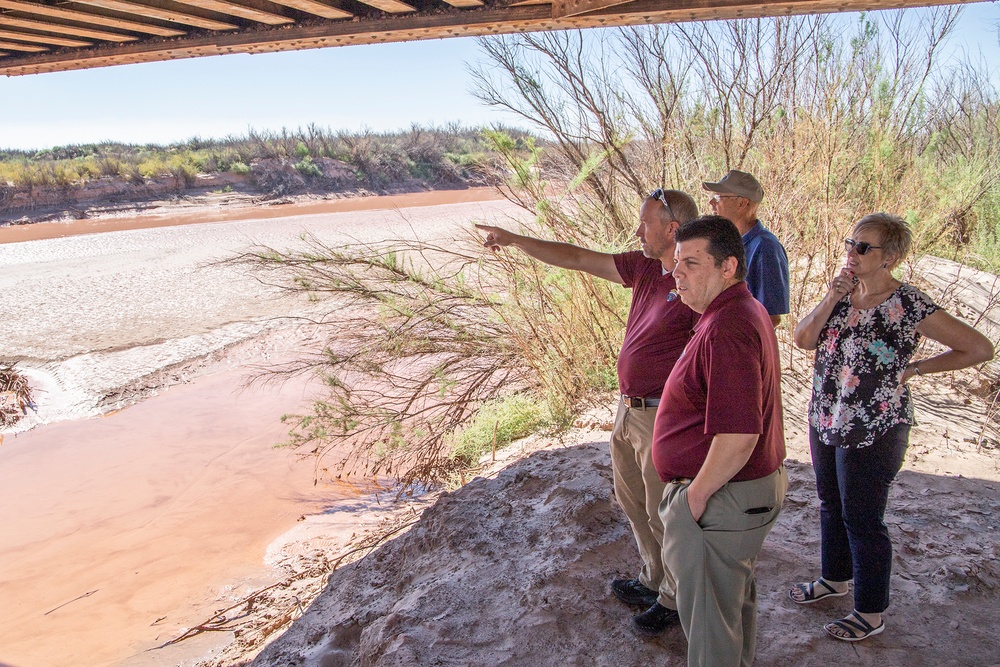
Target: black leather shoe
x,y
656,619
630,591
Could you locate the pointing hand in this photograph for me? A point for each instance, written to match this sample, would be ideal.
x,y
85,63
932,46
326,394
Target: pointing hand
x,y
496,237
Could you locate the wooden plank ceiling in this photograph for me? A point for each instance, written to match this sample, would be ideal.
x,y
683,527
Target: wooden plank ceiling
x,y
54,35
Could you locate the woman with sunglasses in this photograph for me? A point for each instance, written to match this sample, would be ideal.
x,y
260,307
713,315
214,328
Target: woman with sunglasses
x,y
865,331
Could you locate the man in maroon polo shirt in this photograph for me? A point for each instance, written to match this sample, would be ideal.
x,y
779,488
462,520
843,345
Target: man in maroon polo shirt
x,y
658,327
719,446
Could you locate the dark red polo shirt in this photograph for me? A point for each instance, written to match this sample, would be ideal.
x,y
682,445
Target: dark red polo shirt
x,y
657,328
727,381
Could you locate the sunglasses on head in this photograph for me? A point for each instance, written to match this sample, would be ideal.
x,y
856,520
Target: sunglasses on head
x,y
862,247
661,194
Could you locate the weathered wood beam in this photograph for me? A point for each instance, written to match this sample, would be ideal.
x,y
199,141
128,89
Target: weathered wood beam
x,y
418,26
390,6
314,7
37,9
562,8
465,3
42,39
63,29
241,11
28,48
126,7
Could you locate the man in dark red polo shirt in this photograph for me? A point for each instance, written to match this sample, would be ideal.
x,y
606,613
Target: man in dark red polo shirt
x,y
719,446
658,327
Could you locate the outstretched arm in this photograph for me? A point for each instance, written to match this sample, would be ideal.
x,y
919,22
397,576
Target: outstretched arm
x,y
563,255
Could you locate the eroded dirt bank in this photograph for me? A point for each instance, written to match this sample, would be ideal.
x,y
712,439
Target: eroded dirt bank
x,y
514,570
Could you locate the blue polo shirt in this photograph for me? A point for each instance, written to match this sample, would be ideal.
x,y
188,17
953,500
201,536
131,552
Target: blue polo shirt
x,y
767,269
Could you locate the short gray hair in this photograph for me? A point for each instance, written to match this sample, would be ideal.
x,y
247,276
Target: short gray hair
x,y
895,236
682,205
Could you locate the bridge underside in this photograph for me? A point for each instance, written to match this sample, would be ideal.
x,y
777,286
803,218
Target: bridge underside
x,y
55,35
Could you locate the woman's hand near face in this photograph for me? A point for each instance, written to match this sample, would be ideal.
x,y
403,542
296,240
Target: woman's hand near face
x,y
807,332
842,285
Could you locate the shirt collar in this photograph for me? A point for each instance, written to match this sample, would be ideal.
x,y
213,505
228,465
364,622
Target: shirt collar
x,y
754,232
727,296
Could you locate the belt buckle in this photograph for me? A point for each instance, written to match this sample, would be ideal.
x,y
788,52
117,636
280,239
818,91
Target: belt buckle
x,y
635,402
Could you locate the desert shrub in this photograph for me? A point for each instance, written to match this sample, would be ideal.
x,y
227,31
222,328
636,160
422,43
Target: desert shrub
x,y
421,337
308,168
182,168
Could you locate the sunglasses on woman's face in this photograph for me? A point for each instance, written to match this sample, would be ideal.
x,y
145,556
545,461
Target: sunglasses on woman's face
x,y
862,247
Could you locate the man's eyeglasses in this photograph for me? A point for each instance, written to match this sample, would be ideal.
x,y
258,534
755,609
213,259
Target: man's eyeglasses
x,y
661,194
862,247
715,199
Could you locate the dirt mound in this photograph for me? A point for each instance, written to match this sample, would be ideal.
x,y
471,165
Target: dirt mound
x,y
514,570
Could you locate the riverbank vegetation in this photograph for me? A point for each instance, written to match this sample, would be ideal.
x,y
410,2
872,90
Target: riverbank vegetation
x,y
276,163
838,116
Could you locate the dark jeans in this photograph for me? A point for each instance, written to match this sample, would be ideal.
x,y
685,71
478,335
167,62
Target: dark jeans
x,y
853,489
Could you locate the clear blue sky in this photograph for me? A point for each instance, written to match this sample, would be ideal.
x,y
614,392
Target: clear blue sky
x,y
382,87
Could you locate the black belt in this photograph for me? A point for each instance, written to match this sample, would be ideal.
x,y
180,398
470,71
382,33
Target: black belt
x,y
680,480
640,402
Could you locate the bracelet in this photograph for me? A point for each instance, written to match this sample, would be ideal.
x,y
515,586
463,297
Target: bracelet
x,y
916,369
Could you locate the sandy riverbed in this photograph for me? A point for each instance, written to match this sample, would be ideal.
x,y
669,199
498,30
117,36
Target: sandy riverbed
x,y
120,531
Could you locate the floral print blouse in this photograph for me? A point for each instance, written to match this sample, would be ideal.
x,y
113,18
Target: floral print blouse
x,y
860,358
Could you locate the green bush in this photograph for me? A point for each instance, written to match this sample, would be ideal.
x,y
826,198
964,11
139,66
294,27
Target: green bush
x,y
497,422
308,168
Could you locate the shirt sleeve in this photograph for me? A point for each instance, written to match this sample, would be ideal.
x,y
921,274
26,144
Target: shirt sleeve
x,y
735,388
769,280
627,266
922,305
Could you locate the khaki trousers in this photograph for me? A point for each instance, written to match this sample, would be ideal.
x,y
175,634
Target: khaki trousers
x,y
640,491
713,563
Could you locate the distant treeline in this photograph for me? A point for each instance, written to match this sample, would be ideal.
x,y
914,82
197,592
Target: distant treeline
x,y
436,155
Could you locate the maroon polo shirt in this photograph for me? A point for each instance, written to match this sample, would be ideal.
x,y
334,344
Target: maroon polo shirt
x,y
657,328
727,381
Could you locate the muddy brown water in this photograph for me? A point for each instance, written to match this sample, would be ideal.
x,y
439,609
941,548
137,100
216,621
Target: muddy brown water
x,y
118,532
55,230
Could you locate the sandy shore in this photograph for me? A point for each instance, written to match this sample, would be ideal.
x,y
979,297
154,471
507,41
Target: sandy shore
x,y
121,531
